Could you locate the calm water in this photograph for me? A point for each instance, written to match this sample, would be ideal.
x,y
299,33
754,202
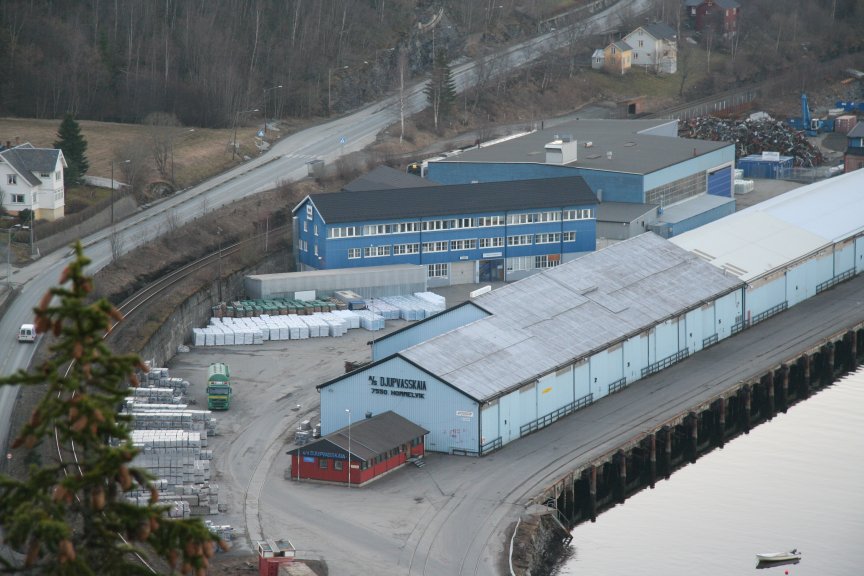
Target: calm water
x,y
795,482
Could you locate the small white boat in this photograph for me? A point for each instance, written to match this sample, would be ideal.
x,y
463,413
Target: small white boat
x,y
793,554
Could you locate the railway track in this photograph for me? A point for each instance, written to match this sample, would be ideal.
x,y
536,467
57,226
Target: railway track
x,y
135,303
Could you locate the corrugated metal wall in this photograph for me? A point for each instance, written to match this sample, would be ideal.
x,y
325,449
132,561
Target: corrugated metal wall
x,y
844,257
802,279
450,416
367,282
422,331
859,255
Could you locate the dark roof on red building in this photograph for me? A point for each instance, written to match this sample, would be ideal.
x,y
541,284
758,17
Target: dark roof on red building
x,y
369,436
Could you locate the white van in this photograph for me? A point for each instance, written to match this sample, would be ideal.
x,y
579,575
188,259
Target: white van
x,y
27,333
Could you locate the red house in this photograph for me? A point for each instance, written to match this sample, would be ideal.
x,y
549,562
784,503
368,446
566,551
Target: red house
x,y
373,446
718,15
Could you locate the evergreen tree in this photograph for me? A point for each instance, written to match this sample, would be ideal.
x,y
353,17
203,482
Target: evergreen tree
x,y
70,517
74,148
441,89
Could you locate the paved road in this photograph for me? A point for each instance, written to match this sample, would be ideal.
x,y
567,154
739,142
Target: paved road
x,y
455,515
285,162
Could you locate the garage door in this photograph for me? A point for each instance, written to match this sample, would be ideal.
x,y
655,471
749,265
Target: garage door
x,y
720,182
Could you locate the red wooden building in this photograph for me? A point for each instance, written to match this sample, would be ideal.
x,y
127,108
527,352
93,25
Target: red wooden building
x,y
719,15
373,446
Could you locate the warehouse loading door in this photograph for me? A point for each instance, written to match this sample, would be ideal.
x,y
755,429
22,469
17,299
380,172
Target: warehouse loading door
x,y
491,270
720,182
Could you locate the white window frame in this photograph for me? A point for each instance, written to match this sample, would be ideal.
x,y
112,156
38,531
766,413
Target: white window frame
x,y
377,229
405,227
520,240
542,262
12,179
354,253
305,226
403,249
489,221
547,238
496,242
436,246
466,244
569,236
376,251
441,270
309,211
315,227
19,198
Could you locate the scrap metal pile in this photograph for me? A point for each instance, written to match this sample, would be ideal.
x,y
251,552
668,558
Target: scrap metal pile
x,y
755,137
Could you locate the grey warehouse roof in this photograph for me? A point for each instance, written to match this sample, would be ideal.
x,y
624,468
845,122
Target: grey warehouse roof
x,y
566,313
632,149
776,232
441,200
622,211
384,177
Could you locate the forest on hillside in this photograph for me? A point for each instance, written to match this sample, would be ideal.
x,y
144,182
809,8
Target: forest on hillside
x,y
204,62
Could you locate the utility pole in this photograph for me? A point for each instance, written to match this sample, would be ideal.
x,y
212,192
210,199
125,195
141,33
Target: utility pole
x,y
265,106
236,120
219,268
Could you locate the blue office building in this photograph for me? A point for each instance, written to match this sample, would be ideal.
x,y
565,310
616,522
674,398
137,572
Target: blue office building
x,y
462,233
632,161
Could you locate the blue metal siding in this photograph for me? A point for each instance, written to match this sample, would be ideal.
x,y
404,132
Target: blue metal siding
x,y
614,186
728,311
701,219
508,416
801,281
765,296
334,251
693,324
422,331
859,255
582,380
554,391
666,338
689,167
635,356
844,257
490,419
720,182
436,411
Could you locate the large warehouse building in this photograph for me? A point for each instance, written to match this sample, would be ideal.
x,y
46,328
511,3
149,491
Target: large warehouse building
x,y
461,233
790,247
633,161
511,361
481,375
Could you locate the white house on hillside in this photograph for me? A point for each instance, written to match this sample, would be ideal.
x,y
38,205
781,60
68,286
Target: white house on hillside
x,y
655,47
32,179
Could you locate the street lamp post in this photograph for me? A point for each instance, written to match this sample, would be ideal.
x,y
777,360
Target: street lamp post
x,y
112,187
236,120
347,411
219,281
265,105
9,254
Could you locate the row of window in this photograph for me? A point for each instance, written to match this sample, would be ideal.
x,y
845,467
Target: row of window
x,y
513,265
12,179
453,245
456,223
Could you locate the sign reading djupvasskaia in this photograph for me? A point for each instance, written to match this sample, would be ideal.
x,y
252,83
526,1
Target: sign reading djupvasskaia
x,y
405,387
